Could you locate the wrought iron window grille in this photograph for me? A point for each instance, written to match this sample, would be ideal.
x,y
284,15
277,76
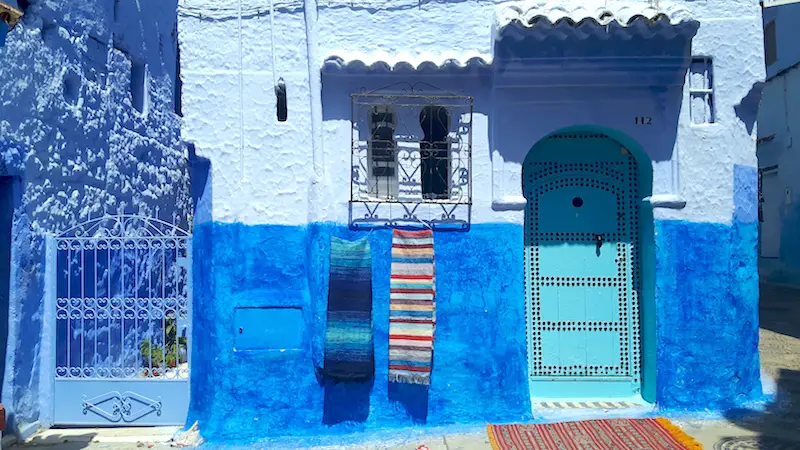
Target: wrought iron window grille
x,y
411,157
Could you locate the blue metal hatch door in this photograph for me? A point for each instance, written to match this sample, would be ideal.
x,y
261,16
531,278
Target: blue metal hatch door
x,y
581,248
121,294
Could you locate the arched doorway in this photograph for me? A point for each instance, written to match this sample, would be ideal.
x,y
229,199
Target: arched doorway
x,y
583,267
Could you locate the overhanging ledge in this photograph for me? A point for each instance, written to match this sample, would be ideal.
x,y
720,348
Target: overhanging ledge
x,y
543,19
518,202
403,63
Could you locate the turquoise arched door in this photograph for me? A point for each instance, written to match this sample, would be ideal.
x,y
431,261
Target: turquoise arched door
x,y
581,268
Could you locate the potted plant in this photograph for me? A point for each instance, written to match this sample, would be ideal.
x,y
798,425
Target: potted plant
x,y
154,356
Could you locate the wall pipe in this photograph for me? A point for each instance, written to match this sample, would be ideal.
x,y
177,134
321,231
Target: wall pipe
x,y
315,88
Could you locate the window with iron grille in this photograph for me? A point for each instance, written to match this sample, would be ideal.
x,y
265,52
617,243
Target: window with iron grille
x,y
701,90
770,43
411,146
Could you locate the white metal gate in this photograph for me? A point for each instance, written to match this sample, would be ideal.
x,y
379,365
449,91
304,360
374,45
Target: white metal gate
x,y
122,305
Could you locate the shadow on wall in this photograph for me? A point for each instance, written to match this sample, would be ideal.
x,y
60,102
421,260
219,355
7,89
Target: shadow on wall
x,y
413,397
200,186
6,220
747,109
350,401
346,402
577,82
532,90
202,272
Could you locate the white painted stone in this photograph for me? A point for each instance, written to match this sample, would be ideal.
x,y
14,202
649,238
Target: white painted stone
x,y
236,57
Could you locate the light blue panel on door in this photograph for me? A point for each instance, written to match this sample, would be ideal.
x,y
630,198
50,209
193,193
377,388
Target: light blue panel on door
x,y
577,258
551,342
576,209
573,347
603,350
579,303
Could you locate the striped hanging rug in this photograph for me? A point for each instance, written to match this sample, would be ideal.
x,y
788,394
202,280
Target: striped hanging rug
x,y
412,307
608,434
349,354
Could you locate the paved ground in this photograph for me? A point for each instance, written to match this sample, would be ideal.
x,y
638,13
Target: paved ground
x,y
776,429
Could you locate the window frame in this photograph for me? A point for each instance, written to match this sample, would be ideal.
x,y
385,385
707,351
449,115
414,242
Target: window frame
x,y
770,43
706,92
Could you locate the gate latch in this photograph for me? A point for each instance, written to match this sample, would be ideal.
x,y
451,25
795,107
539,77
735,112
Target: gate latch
x,y
598,239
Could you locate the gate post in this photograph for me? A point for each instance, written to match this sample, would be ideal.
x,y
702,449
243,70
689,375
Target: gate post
x,y
48,346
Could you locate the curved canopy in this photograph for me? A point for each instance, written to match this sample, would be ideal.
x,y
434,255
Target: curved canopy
x,y
347,61
541,19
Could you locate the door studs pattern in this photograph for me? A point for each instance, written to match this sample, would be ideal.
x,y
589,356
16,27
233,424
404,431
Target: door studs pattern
x,y
620,178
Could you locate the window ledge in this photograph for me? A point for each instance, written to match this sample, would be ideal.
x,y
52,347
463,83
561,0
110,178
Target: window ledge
x,y
518,202
671,201
510,203
411,200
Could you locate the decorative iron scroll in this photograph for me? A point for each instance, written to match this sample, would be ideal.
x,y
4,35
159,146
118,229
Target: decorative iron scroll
x,y
411,157
121,407
122,300
124,225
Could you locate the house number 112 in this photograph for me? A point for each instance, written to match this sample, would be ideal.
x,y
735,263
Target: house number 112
x,y
643,120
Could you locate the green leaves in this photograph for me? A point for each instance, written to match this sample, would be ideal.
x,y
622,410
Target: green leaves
x,y
153,356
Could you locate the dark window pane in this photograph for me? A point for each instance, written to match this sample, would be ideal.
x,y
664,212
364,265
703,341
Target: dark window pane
x,y
434,152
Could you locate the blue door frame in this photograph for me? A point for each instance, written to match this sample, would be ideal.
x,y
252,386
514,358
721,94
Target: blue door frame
x,y
582,268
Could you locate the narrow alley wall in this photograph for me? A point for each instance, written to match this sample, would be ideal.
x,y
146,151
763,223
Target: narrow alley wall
x,y
778,140
88,127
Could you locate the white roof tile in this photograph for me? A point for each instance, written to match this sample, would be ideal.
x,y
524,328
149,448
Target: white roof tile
x,y
541,18
398,62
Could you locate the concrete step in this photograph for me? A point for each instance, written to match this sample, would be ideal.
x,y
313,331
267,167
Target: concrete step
x,y
132,435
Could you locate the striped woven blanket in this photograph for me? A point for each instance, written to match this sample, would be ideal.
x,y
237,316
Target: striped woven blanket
x,y
349,354
412,309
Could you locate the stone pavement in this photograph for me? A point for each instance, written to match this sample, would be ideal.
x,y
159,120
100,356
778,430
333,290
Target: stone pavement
x,y
777,428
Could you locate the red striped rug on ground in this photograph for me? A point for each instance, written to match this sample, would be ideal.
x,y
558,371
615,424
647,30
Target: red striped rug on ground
x,y
609,434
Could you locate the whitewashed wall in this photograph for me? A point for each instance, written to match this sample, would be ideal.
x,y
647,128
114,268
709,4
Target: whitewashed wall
x,y
262,171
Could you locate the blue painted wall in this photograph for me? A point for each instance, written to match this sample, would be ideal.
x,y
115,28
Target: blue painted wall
x,y
707,306
706,297
479,364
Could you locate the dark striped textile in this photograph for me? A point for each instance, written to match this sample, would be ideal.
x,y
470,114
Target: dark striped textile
x,y
349,354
